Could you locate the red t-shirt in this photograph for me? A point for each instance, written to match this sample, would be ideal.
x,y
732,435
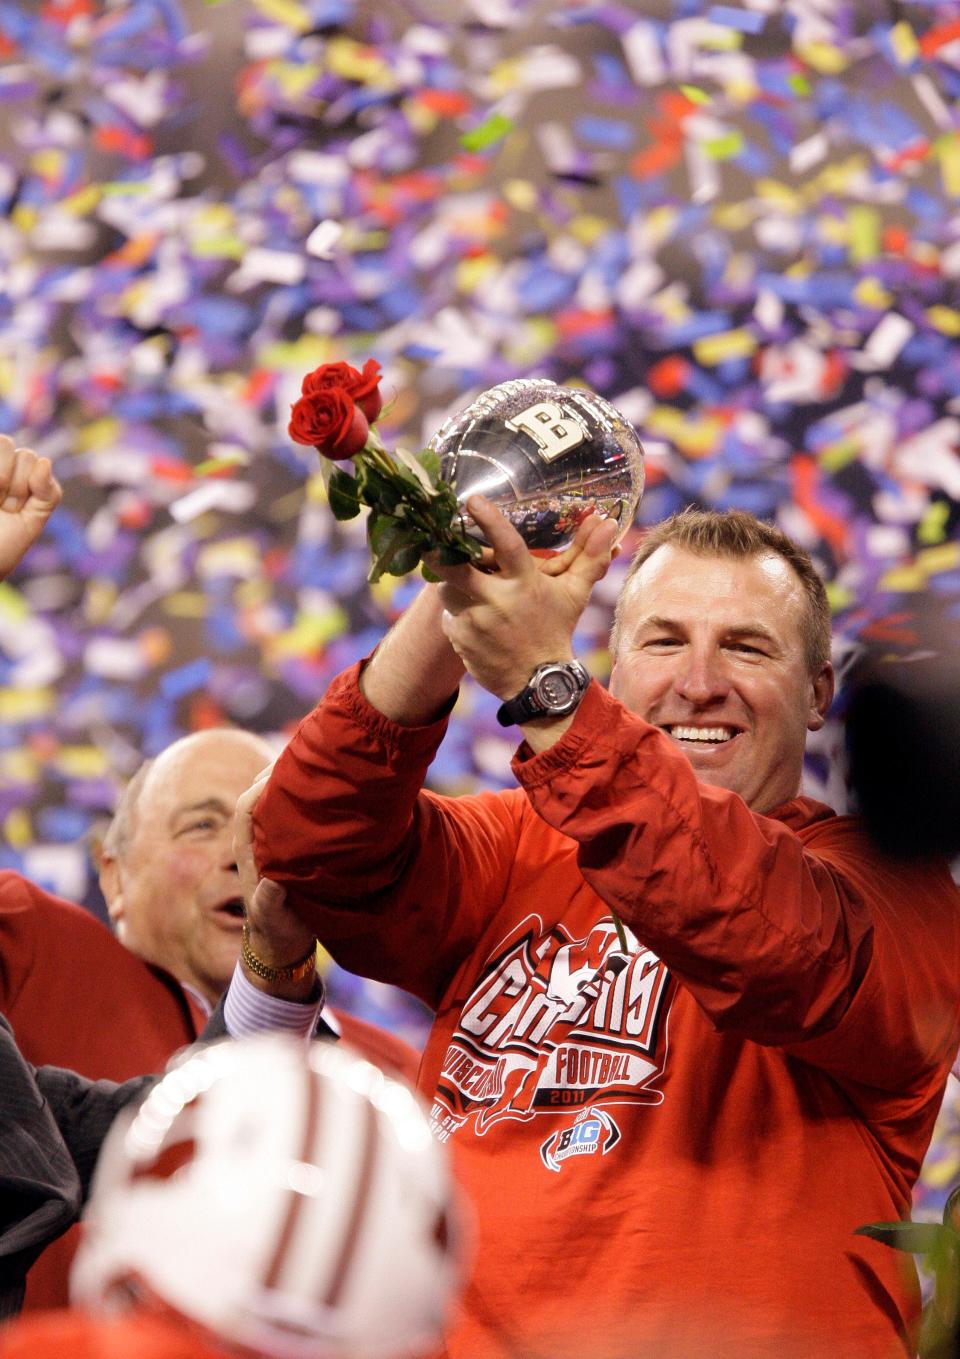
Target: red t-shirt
x,y
670,1158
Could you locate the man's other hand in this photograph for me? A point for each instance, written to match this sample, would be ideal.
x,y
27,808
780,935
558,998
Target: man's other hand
x,y
274,933
504,623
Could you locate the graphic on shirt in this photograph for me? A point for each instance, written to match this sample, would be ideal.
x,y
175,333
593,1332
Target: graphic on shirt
x,y
552,1024
592,1131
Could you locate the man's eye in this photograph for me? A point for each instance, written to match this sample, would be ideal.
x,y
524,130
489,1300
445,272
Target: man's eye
x,y
204,823
661,642
746,647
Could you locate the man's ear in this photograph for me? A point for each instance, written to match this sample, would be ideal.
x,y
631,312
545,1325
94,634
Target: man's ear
x,y
822,687
111,887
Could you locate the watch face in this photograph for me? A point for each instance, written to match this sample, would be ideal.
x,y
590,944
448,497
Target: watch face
x,y
557,689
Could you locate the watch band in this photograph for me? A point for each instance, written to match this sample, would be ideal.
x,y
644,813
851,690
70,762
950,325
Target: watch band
x,y
293,972
538,698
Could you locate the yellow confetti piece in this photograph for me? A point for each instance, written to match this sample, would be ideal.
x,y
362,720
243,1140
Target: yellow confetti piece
x,y
97,434
729,344
310,633
98,599
864,238
83,202
251,593
772,191
944,319
24,217
17,829
839,597
940,1174
289,12
838,455
302,355
294,80
587,228
232,556
719,38
694,437
933,560
350,59
218,247
735,216
505,76
24,705
520,194
724,148
226,463
186,604
823,57
530,342
903,579
948,153
48,162
81,762
933,526
12,603
19,766
870,292
660,224
472,274
904,43
695,94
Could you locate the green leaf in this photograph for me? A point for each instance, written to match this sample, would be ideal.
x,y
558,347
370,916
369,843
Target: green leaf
x,y
429,575
430,462
343,493
919,1238
382,531
378,492
455,554
403,560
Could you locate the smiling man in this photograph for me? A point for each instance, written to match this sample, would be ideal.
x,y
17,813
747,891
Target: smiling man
x,y
669,1146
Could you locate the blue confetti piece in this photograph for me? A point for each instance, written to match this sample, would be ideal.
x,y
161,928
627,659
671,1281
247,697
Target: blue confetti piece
x,y
743,20
186,678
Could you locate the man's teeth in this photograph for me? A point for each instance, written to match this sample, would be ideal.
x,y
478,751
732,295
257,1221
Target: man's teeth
x,y
700,733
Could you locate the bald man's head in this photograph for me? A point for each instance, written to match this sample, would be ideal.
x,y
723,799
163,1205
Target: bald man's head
x,y
167,868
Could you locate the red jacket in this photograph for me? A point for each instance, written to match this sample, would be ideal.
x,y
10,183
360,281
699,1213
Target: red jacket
x,y
670,1158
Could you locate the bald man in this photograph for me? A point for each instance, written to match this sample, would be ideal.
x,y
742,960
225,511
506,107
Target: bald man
x,y
167,868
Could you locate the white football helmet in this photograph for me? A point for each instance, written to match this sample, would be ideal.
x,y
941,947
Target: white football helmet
x,y
289,1199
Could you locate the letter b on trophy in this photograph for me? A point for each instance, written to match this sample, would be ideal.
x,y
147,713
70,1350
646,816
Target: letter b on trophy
x,y
550,430
546,456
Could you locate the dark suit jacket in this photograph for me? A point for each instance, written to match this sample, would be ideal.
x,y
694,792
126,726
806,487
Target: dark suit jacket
x,y
51,1125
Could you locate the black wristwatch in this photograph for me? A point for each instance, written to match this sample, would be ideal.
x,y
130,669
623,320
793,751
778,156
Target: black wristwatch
x,y
553,690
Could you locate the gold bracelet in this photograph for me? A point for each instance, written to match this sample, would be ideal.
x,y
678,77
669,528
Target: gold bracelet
x,y
293,972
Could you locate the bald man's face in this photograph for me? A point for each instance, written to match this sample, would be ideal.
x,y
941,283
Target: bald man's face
x,y
174,894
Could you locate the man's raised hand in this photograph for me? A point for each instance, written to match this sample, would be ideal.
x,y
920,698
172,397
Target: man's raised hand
x,y
29,494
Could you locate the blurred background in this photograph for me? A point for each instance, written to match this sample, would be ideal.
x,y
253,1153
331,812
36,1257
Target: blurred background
x,y
740,223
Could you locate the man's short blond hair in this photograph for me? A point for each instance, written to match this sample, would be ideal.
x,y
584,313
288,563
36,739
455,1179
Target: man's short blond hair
x,y
738,534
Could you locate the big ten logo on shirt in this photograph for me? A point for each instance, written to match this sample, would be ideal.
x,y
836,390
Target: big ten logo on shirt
x,y
551,429
556,1023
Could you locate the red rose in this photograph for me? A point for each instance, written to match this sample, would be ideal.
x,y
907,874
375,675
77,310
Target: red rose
x,y
329,421
363,388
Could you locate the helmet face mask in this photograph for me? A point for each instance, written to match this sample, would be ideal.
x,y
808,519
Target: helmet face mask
x,y
289,1201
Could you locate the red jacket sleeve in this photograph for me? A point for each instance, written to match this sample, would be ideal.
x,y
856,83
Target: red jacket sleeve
x,y
396,884
797,939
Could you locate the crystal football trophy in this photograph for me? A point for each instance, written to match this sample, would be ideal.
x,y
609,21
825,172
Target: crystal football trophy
x,y
546,456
